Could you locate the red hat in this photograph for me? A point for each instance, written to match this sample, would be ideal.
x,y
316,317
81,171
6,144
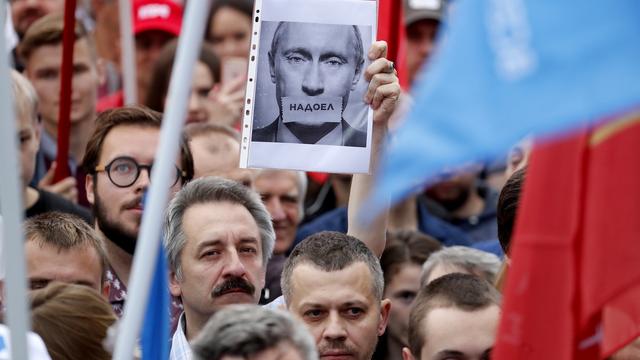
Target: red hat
x,y
161,15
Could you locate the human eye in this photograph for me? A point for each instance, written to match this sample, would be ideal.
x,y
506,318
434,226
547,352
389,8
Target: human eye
x,y
313,314
123,167
209,253
248,250
354,312
334,61
406,296
295,59
24,138
47,74
38,284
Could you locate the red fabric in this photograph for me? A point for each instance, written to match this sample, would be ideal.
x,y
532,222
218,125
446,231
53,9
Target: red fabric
x,y
391,29
66,73
112,101
574,283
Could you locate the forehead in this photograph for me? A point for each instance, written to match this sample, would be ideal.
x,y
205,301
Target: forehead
x,y
51,54
138,142
317,38
453,329
312,286
276,181
219,221
48,258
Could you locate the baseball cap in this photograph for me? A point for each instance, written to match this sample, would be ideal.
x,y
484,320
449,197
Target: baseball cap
x,y
415,10
161,15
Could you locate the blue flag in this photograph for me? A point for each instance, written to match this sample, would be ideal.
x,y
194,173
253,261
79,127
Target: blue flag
x,y
155,331
505,69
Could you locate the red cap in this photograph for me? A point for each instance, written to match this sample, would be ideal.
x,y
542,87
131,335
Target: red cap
x,y
161,15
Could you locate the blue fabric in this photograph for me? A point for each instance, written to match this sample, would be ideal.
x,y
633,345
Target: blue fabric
x,y
336,220
505,69
155,331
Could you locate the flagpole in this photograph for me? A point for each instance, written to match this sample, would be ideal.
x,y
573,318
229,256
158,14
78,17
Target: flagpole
x,y
17,314
149,239
127,54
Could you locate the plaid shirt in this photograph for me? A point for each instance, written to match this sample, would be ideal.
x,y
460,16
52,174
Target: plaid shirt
x,y
180,348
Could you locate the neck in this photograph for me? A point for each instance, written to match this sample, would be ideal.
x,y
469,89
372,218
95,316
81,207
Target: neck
x,y
394,348
193,324
30,196
472,207
78,135
119,260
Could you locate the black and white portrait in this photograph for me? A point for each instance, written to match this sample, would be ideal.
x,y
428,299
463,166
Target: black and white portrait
x,y
305,107
310,93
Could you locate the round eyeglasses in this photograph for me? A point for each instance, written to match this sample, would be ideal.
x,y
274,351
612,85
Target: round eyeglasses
x,y
124,171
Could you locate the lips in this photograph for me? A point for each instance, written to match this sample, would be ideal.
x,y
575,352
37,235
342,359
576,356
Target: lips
x,y
336,355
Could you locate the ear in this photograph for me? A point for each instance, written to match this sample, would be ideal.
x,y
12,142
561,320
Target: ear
x,y
174,285
406,354
105,289
272,67
385,307
88,187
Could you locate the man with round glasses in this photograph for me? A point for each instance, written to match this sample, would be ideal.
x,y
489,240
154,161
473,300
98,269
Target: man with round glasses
x,y
118,161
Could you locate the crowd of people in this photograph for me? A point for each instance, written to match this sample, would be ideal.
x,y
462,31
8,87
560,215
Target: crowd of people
x,y
263,263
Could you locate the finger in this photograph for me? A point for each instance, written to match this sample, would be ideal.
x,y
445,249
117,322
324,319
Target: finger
x,y
48,177
381,65
388,94
377,50
377,81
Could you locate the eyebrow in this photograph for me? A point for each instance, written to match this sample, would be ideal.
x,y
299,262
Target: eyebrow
x,y
207,243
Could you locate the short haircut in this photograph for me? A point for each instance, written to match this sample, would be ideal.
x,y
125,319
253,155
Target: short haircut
x,y
159,87
194,130
246,330
473,261
214,190
301,183
359,47
463,291
65,232
134,115
406,247
48,30
72,320
25,97
508,203
332,251
242,6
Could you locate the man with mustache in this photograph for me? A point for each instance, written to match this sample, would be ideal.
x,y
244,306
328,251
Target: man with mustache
x,y
219,238
118,162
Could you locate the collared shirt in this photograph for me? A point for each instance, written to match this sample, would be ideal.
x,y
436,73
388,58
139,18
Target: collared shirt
x,y
118,295
180,348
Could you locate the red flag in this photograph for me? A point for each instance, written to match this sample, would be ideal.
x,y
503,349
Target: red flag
x,y
573,290
66,73
391,29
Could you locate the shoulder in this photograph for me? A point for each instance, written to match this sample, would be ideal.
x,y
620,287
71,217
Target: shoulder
x,y
267,133
51,202
352,136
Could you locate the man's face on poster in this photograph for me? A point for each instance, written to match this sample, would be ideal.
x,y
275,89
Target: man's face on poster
x,y
315,60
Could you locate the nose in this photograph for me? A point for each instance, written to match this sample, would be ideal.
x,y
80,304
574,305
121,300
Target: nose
x,y
144,179
313,82
335,329
274,206
194,103
234,266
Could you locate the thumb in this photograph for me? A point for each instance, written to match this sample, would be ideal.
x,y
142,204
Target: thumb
x,y
47,179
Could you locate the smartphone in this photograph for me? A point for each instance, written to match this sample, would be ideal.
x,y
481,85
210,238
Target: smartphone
x,y
233,68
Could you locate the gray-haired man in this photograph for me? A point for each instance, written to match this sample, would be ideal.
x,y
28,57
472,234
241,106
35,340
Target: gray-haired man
x,y
254,332
219,238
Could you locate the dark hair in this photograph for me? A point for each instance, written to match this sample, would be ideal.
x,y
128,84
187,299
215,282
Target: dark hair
x,y
162,73
406,246
332,251
508,206
134,115
242,6
463,291
65,232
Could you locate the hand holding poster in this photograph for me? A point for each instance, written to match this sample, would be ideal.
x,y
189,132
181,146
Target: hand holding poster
x,y
306,108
